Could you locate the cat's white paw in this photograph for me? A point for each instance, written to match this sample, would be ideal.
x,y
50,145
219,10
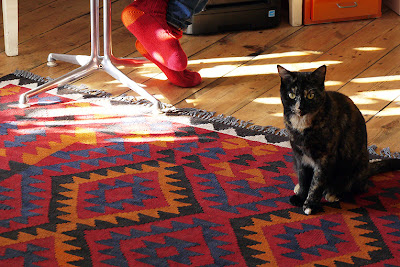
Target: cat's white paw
x,y
307,211
296,189
331,198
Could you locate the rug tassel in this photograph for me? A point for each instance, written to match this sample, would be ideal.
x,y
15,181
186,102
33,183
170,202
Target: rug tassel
x,y
31,76
385,152
226,120
83,89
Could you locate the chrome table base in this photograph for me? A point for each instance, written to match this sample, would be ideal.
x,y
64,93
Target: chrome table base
x,y
95,61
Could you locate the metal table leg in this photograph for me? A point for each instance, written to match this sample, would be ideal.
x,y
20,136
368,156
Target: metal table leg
x,y
95,61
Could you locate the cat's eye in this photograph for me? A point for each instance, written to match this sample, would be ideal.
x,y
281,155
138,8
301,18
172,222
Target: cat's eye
x,y
310,95
292,95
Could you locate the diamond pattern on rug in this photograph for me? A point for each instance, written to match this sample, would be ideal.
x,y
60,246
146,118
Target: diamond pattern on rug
x,y
83,185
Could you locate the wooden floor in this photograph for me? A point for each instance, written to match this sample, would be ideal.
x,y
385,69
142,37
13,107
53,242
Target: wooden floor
x,y
238,69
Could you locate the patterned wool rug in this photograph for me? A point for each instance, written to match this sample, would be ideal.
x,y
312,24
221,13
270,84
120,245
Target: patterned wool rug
x,y
102,182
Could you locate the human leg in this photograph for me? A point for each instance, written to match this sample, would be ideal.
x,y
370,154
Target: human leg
x,y
185,78
180,12
146,19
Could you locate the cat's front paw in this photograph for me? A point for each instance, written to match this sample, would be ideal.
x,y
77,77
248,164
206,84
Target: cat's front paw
x,y
296,201
311,208
331,197
297,189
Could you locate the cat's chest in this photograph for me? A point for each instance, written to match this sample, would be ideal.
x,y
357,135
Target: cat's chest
x,y
304,149
299,123
305,142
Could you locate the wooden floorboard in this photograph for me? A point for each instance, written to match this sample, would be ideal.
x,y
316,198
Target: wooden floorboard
x,y
238,68
258,78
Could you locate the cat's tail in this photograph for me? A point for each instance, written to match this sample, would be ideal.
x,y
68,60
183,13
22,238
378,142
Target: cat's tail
x,y
382,166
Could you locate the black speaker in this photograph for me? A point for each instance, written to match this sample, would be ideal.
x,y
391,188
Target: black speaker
x,y
234,15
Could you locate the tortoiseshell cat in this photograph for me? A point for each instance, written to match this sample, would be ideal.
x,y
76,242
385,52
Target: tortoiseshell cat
x,y
329,140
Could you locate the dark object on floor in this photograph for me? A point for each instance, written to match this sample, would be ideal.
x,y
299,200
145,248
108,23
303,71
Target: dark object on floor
x,y
234,15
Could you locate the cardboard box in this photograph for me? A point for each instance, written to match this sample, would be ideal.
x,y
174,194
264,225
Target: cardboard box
x,y
393,5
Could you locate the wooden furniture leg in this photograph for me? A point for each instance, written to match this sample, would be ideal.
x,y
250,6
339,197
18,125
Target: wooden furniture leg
x,y
10,23
296,12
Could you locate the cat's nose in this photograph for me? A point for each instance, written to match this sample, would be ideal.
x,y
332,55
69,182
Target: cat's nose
x,y
297,111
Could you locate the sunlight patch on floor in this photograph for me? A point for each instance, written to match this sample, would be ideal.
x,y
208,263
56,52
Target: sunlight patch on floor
x,y
361,100
219,60
232,71
302,66
159,97
387,95
384,113
259,57
224,69
333,83
276,114
217,71
368,48
268,100
116,83
288,54
390,78
191,101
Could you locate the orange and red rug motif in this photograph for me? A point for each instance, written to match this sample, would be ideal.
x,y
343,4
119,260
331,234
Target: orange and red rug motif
x,y
84,184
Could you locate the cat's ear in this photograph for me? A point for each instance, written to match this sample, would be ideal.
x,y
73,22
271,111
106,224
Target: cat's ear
x,y
319,74
284,73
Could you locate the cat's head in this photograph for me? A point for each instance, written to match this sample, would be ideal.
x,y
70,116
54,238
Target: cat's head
x,y
302,92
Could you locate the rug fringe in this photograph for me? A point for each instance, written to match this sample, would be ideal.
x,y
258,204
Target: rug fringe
x,y
385,152
83,89
31,76
234,122
192,112
227,120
